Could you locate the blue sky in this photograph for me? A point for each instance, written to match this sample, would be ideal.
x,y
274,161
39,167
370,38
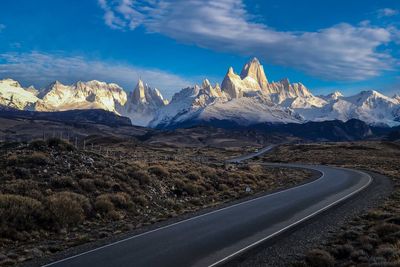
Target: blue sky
x,y
327,45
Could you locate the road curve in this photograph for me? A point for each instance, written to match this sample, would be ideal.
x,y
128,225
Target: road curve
x,y
215,237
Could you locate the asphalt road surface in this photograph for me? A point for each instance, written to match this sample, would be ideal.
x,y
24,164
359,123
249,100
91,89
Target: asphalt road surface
x,y
215,237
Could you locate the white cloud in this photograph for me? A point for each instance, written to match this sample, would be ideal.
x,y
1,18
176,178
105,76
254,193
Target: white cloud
x,y
41,69
341,52
2,27
387,12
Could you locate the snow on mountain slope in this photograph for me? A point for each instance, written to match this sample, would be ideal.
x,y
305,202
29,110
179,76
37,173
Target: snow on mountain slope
x,y
186,104
12,95
82,95
248,110
369,106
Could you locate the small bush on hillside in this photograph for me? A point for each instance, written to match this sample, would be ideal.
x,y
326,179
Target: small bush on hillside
x,y
19,212
60,144
103,204
386,229
68,209
140,200
38,145
141,176
119,200
83,175
194,176
22,173
159,171
63,182
343,251
389,252
192,189
319,258
87,185
35,159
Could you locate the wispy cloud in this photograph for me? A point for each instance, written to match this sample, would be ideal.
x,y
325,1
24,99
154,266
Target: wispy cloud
x,y
41,69
2,27
340,52
387,12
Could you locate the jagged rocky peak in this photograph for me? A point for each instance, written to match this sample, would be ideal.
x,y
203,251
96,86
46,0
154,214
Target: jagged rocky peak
x,y
207,88
285,82
138,95
255,70
206,83
235,87
252,79
144,94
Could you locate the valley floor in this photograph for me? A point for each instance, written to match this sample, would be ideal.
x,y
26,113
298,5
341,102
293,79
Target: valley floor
x,y
54,196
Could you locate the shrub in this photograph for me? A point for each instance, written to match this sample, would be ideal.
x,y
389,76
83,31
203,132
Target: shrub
x,y
60,144
140,200
68,209
38,145
194,176
36,158
83,175
386,229
62,182
107,202
103,204
387,251
87,185
343,251
19,212
159,171
22,173
191,189
12,160
223,187
120,200
142,177
319,258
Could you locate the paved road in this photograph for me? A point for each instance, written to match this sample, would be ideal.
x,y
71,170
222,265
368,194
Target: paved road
x,y
215,237
252,155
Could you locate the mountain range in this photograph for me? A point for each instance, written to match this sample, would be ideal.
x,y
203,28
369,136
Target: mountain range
x,y
244,100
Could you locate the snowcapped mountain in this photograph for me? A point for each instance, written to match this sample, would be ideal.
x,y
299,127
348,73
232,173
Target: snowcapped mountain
x,y
245,99
139,106
142,104
369,106
187,104
13,95
249,98
81,95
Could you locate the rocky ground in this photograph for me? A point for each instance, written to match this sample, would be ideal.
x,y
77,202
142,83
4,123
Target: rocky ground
x,y
369,239
54,196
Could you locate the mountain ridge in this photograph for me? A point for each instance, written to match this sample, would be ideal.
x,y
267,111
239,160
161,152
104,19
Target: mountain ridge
x,y
246,99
